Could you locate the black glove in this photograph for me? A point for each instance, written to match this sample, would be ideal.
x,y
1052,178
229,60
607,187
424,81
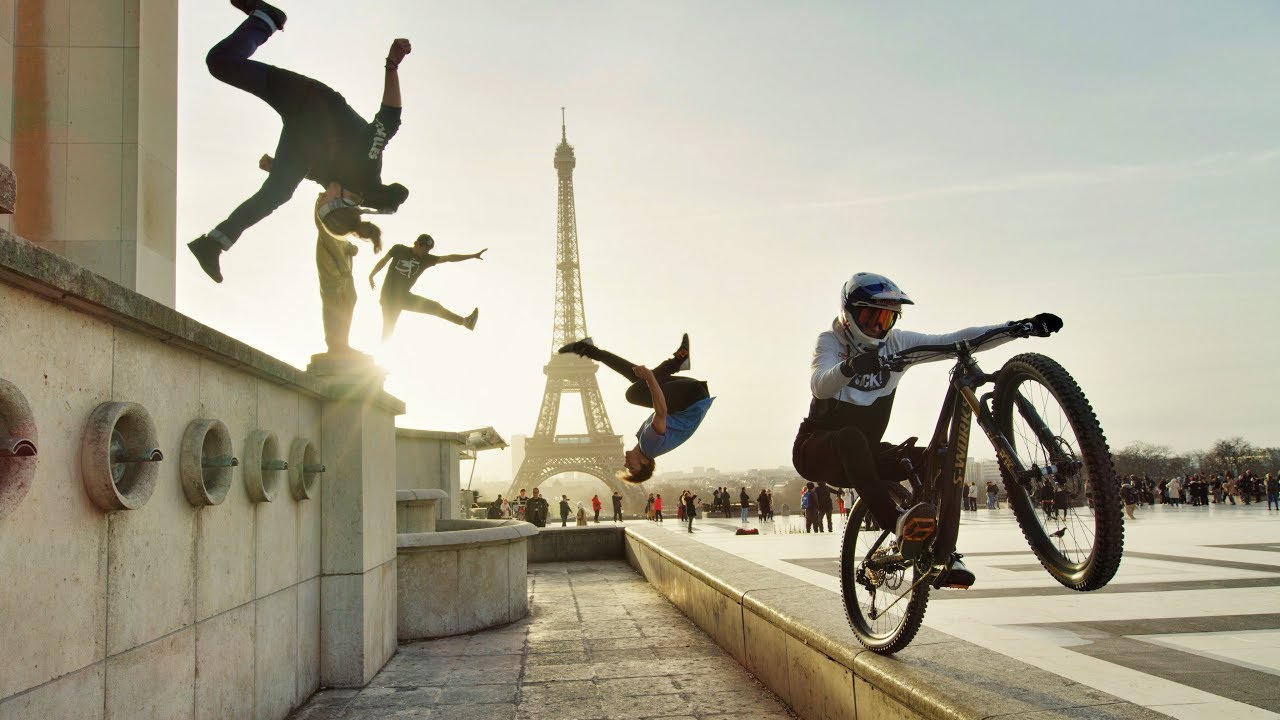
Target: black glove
x,y
860,364
1042,325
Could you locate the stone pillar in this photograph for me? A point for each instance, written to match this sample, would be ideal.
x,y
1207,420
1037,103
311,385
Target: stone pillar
x,y
358,622
94,134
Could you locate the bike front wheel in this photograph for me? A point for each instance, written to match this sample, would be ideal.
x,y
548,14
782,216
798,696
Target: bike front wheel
x,y
1064,495
885,604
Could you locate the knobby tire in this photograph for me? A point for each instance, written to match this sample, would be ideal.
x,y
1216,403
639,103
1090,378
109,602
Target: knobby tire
x,y
1107,544
912,607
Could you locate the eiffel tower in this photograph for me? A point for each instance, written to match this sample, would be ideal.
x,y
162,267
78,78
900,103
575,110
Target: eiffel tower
x,y
598,452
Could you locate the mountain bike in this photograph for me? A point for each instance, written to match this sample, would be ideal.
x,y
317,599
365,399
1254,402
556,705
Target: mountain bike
x,y
1043,431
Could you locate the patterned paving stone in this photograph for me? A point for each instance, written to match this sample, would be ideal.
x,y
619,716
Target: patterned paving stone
x,y
599,644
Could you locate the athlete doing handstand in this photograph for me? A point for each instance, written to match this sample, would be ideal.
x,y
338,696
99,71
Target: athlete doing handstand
x,y
322,137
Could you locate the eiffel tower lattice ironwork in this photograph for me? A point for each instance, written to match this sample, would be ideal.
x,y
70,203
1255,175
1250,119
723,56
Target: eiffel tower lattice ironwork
x,y
598,452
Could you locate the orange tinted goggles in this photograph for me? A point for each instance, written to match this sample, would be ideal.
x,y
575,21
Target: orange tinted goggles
x,y
875,322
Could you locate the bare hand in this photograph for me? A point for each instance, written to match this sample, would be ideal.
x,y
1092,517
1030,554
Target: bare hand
x,y
265,162
642,372
399,48
372,285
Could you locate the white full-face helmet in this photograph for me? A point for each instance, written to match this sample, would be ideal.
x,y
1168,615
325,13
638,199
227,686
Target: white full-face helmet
x,y
870,304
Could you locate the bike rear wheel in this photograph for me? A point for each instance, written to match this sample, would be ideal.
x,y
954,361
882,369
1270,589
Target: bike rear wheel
x,y
885,606
1079,537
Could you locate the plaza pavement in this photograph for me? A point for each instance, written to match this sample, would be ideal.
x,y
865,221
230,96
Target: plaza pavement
x,y
599,643
1189,627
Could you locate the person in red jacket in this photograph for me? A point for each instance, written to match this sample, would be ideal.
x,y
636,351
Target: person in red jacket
x,y
657,508
595,506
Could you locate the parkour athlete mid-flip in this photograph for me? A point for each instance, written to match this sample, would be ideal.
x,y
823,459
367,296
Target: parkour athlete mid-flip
x,y
322,137
679,403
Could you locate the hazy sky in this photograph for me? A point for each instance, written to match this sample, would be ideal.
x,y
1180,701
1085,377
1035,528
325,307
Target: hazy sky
x,y
1117,164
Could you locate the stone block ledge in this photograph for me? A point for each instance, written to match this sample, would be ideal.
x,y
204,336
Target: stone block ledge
x,y
795,638
458,533
573,543
30,267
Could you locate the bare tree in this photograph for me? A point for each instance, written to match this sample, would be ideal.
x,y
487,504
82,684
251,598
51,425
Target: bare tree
x,y
1142,458
1232,456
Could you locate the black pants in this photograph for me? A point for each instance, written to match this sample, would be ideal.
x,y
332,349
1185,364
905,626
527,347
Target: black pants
x,y
617,514
288,94
597,516
393,305
845,458
680,392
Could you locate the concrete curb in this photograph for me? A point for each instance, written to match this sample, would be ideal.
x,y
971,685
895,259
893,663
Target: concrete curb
x,y
794,637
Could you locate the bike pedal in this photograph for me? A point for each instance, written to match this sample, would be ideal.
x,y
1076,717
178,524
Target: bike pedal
x,y
918,529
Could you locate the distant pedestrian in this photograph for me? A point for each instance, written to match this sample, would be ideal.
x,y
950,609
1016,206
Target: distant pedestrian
x,y
617,506
992,494
690,508
648,507
1129,494
745,501
595,506
657,507
537,509
1273,491
564,511
582,515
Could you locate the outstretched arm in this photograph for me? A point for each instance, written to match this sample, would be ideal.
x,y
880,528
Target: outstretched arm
x,y
659,424
459,258
381,263
391,79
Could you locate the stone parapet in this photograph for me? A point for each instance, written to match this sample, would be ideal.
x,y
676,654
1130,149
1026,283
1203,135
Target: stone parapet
x,y
563,544
468,575
52,276
793,636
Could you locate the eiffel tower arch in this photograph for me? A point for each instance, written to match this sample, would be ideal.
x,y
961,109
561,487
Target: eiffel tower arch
x,y
598,451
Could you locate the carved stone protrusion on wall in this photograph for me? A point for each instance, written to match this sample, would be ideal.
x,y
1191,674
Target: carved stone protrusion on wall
x,y
119,456
262,465
205,462
304,469
17,446
8,192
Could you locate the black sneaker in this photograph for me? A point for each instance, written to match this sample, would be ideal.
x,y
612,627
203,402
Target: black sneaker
x,y
955,576
578,347
685,363
207,250
915,528
248,6
469,322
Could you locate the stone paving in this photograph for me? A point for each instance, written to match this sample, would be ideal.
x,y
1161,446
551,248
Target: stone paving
x,y
1189,627
599,643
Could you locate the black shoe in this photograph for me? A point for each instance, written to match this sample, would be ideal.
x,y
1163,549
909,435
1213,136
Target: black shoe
x,y
578,347
915,528
955,576
899,495
685,363
248,6
207,250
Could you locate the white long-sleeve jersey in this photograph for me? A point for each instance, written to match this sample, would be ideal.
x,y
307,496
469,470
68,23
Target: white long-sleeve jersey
x,y
828,382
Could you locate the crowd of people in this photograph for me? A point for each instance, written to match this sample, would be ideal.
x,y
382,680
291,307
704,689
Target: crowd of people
x,y
536,508
1202,490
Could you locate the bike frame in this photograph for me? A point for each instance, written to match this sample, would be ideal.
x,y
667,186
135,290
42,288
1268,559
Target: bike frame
x,y
946,457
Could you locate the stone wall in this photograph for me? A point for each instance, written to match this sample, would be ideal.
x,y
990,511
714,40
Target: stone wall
x,y
428,459
169,610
